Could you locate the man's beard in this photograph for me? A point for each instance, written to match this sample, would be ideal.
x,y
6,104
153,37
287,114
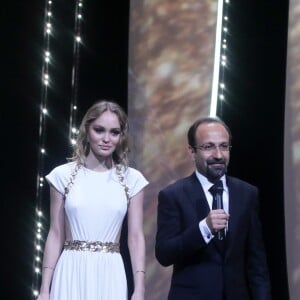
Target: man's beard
x,y
214,173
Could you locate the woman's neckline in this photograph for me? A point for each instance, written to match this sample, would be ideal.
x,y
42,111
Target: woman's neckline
x,y
98,171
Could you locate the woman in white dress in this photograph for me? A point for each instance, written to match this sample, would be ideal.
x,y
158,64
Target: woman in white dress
x,y
90,196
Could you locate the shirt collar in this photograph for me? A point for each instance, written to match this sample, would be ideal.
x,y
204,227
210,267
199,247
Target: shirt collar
x,y
206,184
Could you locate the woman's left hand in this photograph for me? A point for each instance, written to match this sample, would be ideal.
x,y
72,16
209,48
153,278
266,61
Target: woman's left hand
x,y
138,295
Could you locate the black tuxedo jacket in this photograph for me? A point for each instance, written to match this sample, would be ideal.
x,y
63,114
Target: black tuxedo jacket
x,y
200,270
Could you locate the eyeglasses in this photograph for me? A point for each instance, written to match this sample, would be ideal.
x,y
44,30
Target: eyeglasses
x,y
212,147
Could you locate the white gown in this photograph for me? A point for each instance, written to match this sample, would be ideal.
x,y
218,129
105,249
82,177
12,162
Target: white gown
x,y
95,208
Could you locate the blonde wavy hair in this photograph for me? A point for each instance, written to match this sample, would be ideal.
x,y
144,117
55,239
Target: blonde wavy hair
x,y
82,148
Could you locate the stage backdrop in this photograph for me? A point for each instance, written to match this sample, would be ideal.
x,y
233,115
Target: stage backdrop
x,y
292,151
171,55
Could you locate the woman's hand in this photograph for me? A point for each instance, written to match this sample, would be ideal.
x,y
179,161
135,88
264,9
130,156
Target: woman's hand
x,y
137,295
43,296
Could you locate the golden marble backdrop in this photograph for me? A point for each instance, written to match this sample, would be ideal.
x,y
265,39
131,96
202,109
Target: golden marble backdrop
x,y
292,151
171,51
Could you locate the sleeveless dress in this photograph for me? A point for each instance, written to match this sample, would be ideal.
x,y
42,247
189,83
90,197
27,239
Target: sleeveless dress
x,y
95,207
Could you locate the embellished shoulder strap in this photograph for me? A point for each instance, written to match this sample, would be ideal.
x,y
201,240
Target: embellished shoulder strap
x,y
71,181
123,183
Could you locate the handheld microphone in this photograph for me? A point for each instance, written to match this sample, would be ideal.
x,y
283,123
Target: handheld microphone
x,y
218,192
220,233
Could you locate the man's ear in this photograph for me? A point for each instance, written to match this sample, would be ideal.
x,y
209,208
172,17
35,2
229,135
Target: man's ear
x,y
191,149
191,152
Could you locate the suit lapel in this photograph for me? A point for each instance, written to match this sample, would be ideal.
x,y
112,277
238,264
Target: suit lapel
x,y
233,212
197,197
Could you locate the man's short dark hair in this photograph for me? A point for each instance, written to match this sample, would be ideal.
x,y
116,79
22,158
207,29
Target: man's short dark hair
x,y
191,135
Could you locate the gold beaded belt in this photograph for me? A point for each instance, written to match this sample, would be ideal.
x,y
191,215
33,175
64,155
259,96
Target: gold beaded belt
x,y
92,246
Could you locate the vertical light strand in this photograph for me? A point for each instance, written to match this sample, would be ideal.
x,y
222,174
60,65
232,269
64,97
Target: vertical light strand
x,y
75,72
220,57
224,58
46,82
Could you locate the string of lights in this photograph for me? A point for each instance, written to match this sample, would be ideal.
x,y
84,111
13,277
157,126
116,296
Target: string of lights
x,y
220,59
46,82
39,235
75,72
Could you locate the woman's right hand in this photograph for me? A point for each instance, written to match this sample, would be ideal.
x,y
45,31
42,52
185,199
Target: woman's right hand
x,y
44,296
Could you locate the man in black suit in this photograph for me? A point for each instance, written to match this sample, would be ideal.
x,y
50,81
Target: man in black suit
x,y
217,253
